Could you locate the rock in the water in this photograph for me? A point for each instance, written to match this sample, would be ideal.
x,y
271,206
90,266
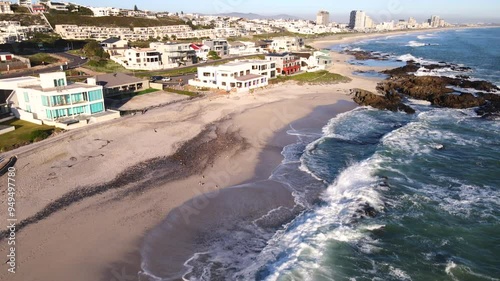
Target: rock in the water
x,y
390,101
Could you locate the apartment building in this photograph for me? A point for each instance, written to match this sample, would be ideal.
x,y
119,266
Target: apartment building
x,y
287,44
24,2
174,54
286,63
323,18
51,100
220,46
5,7
237,76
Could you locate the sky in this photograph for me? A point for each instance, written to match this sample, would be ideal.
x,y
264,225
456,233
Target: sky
x,y
379,10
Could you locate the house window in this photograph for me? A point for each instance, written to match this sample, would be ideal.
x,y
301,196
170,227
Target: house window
x,y
224,84
96,107
26,97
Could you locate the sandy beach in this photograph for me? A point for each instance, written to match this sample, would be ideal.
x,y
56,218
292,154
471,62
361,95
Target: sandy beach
x,y
88,197
329,41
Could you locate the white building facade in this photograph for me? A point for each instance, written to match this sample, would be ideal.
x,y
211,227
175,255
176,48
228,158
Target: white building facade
x,y
238,76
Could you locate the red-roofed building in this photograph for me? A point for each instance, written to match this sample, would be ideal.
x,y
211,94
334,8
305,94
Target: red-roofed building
x,y
201,50
38,8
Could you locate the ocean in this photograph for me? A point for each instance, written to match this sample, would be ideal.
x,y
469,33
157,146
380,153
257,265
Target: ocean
x,y
383,195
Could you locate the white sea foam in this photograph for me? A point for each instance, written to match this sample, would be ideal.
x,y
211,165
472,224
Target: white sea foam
x,y
416,44
410,57
398,273
426,36
300,246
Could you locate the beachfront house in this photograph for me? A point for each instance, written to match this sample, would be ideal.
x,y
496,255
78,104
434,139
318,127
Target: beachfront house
x,y
51,100
286,63
237,76
115,84
286,44
318,60
140,59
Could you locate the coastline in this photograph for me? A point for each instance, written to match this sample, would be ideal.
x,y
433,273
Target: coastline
x,y
342,39
101,235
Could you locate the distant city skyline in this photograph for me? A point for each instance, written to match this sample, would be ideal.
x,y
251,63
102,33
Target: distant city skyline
x,y
452,10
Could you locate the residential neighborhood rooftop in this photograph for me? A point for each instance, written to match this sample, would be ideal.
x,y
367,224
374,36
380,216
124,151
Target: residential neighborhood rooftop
x,y
116,79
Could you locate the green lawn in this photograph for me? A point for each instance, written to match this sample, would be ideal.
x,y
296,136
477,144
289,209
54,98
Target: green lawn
x,y
147,91
182,92
25,133
319,77
42,59
107,66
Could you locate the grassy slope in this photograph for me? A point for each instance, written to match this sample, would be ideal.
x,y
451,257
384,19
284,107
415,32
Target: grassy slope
x,y
25,19
22,135
319,77
110,21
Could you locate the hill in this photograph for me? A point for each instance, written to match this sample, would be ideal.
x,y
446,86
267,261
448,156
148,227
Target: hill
x,y
110,21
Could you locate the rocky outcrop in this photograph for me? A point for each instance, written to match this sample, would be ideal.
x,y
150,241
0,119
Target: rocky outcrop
x,y
439,89
389,101
364,55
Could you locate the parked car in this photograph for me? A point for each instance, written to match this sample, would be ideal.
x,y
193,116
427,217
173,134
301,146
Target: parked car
x,y
166,79
155,78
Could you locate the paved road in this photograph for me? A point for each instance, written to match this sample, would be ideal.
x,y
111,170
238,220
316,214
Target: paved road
x,y
175,79
73,62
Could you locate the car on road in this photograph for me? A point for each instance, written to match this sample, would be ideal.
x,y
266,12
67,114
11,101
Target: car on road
x,y
166,79
155,78
83,58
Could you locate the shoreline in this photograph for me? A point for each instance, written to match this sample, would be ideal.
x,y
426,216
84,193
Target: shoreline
x,y
102,234
333,40
260,195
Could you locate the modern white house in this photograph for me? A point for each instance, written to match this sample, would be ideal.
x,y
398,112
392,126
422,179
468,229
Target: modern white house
x,y
241,48
140,59
51,100
237,76
115,46
174,54
5,7
287,44
220,46
105,11
318,60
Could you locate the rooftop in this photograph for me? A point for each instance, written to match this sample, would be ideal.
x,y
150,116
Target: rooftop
x,y
248,77
278,54
111,40
59,89
111,80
